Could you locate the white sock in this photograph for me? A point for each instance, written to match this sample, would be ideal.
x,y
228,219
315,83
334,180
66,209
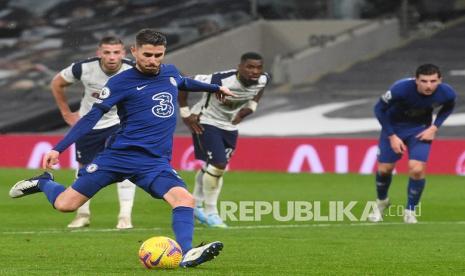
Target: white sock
x,y
84,209
126,191
212,183
198,188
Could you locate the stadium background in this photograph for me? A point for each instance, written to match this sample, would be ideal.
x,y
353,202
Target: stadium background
x,y
330,61
314,130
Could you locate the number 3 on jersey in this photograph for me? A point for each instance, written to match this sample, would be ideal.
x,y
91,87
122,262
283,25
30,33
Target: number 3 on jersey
x,y
164,107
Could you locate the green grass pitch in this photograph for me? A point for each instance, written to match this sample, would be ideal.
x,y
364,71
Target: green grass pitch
x,y
35,240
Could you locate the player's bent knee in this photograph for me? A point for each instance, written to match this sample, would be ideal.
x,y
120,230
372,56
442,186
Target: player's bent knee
x,y
63,206
385,169
179,196
69,200
417,173
417,169
188,201
211,177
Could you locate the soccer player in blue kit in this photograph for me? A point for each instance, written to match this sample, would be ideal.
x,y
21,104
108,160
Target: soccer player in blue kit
x,y
405,112
146,98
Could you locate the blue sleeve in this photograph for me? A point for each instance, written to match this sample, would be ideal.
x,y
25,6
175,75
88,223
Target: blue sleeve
x,y
77,70
381,108
196,86
83,126
443,113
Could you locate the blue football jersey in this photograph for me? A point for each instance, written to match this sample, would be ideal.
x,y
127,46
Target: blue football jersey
x,y
146,106
403,105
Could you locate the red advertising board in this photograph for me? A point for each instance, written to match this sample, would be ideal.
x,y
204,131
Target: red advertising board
x,y
311,155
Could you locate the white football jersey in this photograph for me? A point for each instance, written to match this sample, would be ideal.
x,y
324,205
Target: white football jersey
x,y
216,113
94,79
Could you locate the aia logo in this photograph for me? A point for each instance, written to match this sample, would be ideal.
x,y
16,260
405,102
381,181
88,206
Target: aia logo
x,y
188,161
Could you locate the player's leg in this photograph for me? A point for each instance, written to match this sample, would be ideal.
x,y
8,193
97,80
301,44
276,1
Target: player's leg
x,y
219,146
418,156
387,159
63,199
126,191
86,149
200,154
82,218
169,186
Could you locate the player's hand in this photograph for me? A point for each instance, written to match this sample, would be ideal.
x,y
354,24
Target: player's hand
x,y
71,118
223,92
428,134
192,122
243,112
50,159
236,120
397,144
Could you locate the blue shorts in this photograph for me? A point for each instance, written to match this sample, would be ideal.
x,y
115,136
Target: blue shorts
x,y
154,175
417,150
215,145
92,143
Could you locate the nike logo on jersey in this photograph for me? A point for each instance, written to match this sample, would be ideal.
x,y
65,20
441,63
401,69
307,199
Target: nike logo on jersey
x,y
141,87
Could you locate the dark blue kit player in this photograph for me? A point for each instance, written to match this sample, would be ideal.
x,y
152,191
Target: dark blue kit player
x,y
146,99
405,113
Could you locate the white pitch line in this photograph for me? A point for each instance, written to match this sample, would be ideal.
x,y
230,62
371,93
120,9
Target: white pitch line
x,y
275,226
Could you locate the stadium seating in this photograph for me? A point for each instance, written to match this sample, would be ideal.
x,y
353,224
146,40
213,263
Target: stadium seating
x,y
52,34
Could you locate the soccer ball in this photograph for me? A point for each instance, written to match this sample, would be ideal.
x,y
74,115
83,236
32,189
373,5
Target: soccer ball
x,y
160,252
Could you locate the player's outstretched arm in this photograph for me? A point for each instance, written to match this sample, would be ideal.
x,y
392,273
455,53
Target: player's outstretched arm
x,y
198,86
82,127
223,92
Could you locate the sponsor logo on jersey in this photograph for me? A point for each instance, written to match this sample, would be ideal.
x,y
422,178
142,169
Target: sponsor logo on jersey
x,y
164,107
141,87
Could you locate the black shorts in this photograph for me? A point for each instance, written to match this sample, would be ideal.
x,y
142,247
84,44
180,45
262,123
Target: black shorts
x,y
215,145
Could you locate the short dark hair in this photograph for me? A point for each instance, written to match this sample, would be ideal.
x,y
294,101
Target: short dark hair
x,y
251,55
111,40
150,36
427,69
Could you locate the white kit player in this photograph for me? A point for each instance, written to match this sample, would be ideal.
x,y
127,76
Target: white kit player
x,y
214,129
94,73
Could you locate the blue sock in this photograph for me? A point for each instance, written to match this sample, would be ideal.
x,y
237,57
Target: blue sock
x,y
382,185
183,226
414,190
51,189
